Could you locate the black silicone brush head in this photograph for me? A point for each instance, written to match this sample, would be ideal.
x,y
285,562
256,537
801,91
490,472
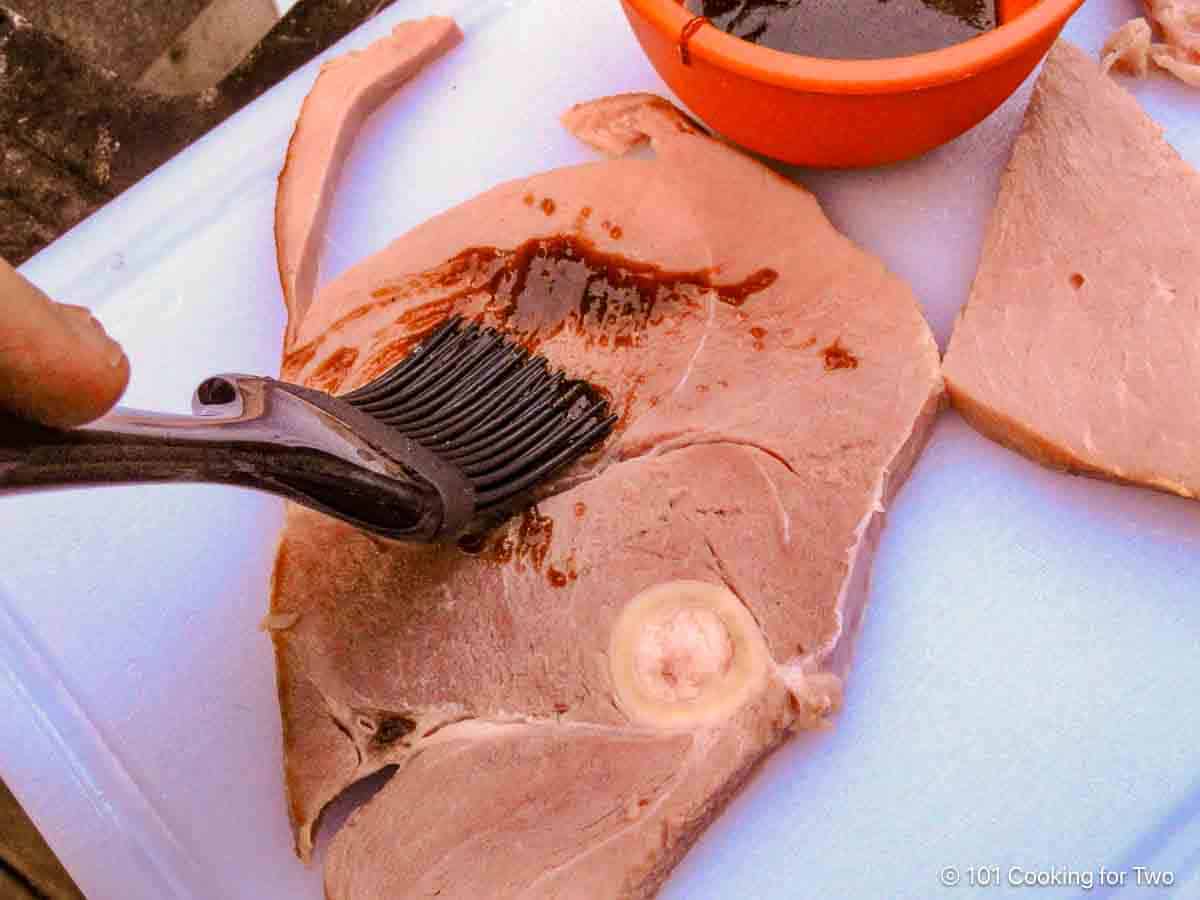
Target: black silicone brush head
x,y
489,407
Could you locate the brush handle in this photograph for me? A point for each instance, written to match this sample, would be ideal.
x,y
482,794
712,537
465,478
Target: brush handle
x,y
273,444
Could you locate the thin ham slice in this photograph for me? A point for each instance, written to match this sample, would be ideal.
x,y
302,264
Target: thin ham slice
x,y
348,89
775,384
1078,345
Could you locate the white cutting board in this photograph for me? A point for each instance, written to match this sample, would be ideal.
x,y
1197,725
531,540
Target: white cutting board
x,y
1025,693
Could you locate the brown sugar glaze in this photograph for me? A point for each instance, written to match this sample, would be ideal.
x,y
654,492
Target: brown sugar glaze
x,y
533,292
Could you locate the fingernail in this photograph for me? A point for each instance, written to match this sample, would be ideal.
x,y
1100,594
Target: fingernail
x,y
88,329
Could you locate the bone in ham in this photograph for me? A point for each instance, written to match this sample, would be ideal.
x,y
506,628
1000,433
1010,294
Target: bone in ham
x,y
571,699
1078,343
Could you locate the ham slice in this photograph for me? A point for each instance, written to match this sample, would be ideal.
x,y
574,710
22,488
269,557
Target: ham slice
x,y
571,699
338,104
1078,345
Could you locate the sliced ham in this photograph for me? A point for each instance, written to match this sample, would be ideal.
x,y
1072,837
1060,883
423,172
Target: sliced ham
x,y
1079,343
571,699
340,101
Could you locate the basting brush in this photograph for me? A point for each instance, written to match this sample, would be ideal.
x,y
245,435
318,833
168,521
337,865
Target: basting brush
x,y
448,440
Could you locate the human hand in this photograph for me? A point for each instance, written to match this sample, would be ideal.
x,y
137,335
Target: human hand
x,y
57,364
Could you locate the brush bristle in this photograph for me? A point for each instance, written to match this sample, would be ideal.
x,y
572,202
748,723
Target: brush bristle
x,y
487,405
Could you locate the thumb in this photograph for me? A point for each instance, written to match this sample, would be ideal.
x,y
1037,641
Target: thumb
x,y
57,364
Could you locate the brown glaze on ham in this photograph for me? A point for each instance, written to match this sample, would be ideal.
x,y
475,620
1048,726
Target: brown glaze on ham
x,y
743,460
1078,344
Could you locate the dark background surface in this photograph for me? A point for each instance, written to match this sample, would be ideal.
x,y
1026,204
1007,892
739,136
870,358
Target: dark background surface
x,y
95,94
78,124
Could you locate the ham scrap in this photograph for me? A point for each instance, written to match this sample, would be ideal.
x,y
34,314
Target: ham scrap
x,y
1131,48
569,699
1078,345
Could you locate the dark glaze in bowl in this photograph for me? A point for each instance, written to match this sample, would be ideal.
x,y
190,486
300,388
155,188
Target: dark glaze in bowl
x,y
843,113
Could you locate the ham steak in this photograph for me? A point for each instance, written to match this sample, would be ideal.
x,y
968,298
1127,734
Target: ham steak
x,y
570,699
1078,343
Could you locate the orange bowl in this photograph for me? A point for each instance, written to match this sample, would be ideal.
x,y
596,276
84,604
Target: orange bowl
x,y
843,113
